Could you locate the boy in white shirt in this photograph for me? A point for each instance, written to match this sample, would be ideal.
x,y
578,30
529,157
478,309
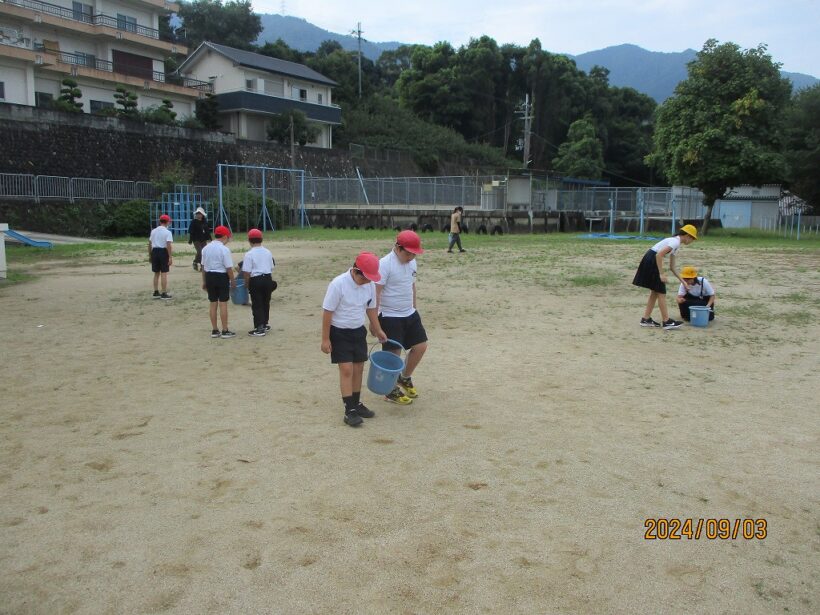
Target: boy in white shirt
x,y
349,301
398,317
160,255
695,290
218,278
257,269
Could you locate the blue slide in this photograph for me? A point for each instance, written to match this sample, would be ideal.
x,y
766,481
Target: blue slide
x,y
28,240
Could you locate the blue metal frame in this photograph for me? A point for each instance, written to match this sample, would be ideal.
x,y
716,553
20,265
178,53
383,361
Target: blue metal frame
x,y
264,221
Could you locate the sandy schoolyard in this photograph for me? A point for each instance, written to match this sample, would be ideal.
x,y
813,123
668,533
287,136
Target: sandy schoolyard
x,y
146,468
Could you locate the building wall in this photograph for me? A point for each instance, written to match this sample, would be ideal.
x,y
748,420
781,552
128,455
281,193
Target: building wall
x,y
15,82
43,142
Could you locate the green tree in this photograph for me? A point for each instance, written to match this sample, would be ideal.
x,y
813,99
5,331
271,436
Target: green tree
x,y
233,23
391,64
303,132
281,50
163,114
69,94
207,112
581,155
723,126
803,145
127,100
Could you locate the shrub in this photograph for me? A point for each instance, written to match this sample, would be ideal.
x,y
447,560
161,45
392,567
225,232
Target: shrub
x,y
128,218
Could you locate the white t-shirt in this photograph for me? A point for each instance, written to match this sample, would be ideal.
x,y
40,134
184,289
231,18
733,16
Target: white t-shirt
x,y
258,261
161,237
397,286
216,257
701,288
669,242
349,301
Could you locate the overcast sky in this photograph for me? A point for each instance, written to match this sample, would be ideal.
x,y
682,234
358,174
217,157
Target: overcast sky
x,y
790,28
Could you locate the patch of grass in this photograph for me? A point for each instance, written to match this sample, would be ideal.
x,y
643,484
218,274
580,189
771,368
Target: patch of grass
x,y
757,311
591,280
16,277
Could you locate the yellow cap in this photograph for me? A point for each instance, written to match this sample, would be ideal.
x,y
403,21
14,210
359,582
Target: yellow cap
x,y
689,272
690,230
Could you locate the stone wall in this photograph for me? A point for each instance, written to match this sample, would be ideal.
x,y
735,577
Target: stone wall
x,y
45,142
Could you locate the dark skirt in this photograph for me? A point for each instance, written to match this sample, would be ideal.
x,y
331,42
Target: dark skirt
x,y
647,275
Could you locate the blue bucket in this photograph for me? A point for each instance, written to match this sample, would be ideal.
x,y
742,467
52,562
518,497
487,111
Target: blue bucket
x,y
239,295
385,368
699,315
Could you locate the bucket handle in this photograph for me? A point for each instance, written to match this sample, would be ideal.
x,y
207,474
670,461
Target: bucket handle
x,y
387,340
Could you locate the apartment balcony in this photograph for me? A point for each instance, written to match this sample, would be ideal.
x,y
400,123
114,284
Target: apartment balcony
x,y
93,25
116,73
266,103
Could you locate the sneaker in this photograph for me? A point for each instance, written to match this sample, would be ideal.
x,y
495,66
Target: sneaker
x,y
353,419
165,296
215,333
648,322
407,386
462,250
156,294
449,251
195,267
267,327
364,412
226,333
397,397
260,332
672,324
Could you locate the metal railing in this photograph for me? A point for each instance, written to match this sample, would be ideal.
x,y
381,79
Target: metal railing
x,y
53,187
90,61
98,19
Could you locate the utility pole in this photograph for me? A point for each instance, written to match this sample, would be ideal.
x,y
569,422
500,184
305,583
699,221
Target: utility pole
x,y
292,145
358,33
525,110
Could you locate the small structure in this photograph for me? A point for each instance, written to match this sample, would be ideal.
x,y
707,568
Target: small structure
x,y
749,207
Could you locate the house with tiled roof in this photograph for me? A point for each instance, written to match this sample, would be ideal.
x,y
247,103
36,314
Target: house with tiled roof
x,y
250,88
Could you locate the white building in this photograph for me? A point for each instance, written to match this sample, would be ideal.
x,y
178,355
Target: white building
x,y
100,45
251,88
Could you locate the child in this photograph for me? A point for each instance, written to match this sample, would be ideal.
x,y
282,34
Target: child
x,y
396,306
257,268
349,301
649,275
199,234
218,278
160,254
695,291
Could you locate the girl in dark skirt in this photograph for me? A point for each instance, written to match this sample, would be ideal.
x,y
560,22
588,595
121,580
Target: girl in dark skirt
x,y
649,275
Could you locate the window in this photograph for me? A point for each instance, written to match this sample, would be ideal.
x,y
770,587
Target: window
x,y
2,90
126,22
319,99
43,99
274,87
86,59
250,85
83,12
99,105
298,93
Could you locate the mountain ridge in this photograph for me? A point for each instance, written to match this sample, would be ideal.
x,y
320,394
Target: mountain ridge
x,y
654,73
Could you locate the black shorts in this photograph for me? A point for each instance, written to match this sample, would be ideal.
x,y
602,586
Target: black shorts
x,y
407,330
218,285
160,261
348,345
647,275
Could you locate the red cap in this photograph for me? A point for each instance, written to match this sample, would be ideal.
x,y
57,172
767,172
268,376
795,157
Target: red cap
x,y
165,218
410,241
254,233
368,264
222,231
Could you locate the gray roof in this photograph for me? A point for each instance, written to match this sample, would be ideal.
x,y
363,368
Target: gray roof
x,y
265,63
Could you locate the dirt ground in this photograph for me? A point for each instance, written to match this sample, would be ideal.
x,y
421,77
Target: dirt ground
x,y
147,468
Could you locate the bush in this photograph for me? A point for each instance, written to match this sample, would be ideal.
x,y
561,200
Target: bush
x,y
165,178
128,218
